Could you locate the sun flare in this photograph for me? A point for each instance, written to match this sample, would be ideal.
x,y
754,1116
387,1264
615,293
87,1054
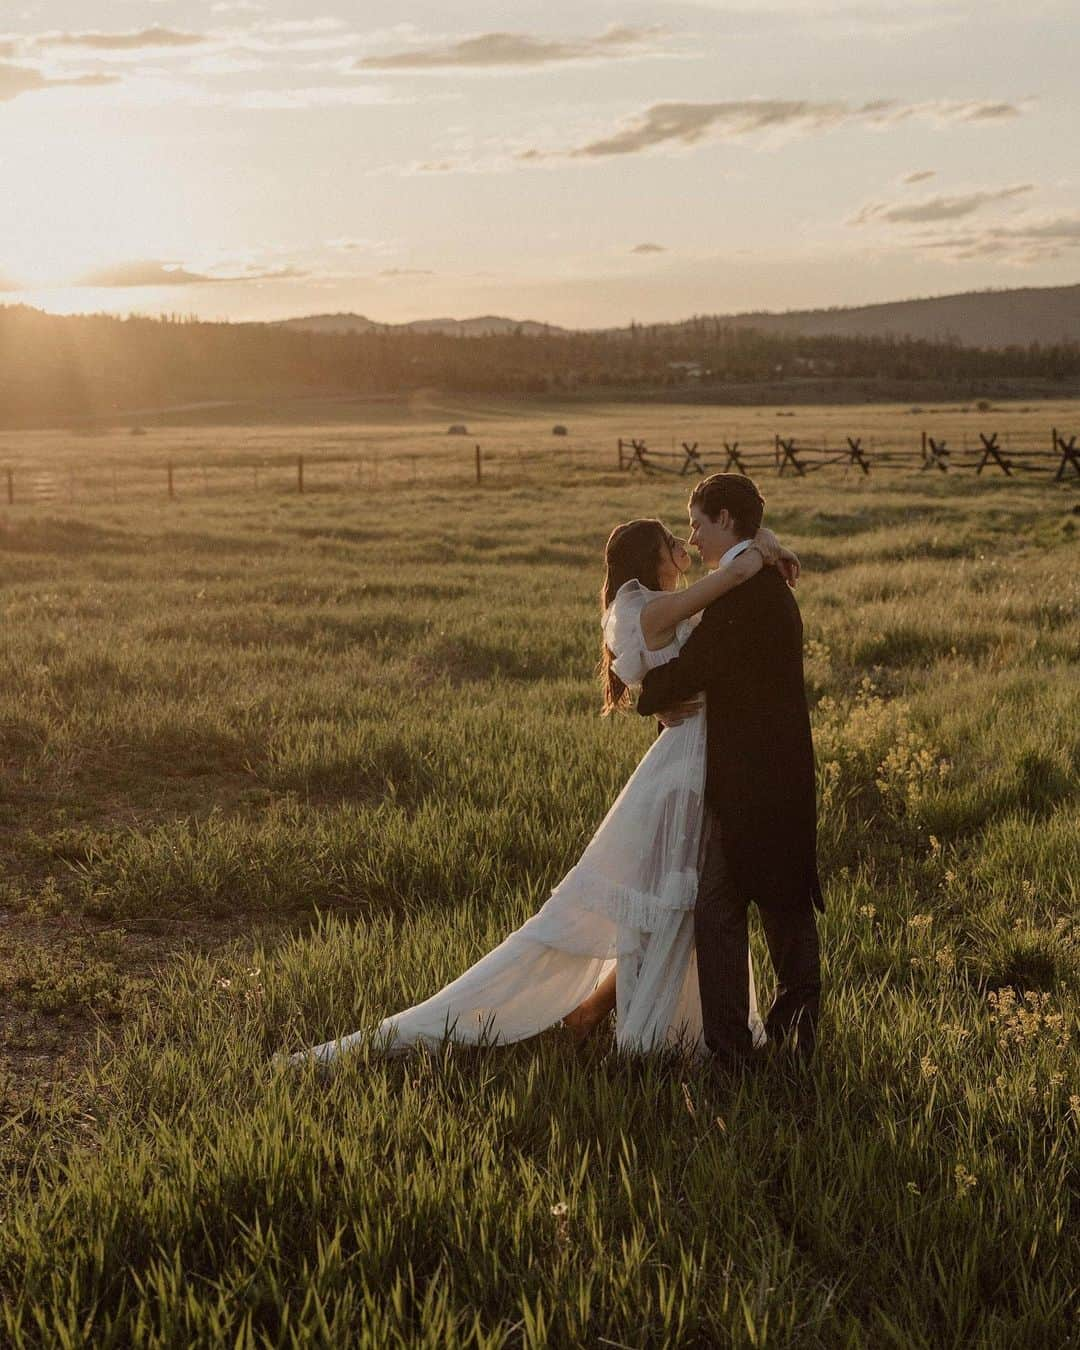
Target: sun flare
x,y
75,204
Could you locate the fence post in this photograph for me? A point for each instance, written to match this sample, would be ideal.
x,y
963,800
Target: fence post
x,y
924,447
299,473
620,453
172,494
11,487
478,468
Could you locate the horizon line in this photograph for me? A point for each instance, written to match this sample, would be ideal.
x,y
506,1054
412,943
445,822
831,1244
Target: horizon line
x,y
547,323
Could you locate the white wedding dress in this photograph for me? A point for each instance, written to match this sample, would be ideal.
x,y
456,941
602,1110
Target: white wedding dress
x,y
627,903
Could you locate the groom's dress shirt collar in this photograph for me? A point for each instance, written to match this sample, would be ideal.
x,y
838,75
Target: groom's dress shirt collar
x,y
734,552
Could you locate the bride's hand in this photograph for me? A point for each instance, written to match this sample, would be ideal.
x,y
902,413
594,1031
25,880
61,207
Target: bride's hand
x,y
789,566
775,555
768,546
680,713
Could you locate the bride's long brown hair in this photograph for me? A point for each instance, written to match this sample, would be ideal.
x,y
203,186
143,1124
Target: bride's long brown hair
x,y
632,553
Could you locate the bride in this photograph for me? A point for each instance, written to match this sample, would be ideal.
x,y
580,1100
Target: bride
x,y
618,930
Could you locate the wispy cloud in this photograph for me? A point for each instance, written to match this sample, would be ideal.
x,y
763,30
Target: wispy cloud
x,y
130,41
323,25
688,124
648,248
919,176
147,273
154,272
1036,239
938,208
959,110
406,272
350,244
16,80
495,51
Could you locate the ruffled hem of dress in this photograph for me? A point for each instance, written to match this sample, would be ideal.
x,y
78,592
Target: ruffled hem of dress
x,y
623,904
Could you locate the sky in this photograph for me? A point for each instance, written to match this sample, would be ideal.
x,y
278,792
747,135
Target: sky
x,y
586,163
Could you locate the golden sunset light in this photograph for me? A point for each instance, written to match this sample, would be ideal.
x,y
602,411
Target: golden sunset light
x,y
482,169
539,700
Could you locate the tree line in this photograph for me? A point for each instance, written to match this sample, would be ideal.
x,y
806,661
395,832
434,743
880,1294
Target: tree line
x,y
94,365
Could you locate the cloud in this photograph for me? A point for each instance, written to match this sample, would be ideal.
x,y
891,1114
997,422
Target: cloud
x,y
145,37
350,244
1036,239
324,25
688,124
16,80
952,110
153,272
919,176
937,208
648,248
406,272
985,112
445,166
493,51
146,273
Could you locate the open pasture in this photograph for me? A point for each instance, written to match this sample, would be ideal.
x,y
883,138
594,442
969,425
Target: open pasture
x,y
274,765
364,445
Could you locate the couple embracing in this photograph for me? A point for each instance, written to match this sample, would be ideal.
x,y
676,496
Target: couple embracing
x,y
719,814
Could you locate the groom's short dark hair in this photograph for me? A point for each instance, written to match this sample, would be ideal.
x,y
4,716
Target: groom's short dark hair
x,y
732,492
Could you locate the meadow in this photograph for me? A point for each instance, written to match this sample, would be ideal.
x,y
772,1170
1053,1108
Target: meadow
x,y
365,444
276,764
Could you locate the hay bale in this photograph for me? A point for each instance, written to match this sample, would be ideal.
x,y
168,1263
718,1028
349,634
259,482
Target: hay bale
x,y
458,429
559,430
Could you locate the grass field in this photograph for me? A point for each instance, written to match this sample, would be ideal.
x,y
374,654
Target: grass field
x,y
363,445
276,765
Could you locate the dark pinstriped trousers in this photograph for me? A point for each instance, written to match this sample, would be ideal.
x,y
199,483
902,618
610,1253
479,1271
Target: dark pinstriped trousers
x,y
723,955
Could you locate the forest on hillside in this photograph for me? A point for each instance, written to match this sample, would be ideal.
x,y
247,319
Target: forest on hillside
x,y
54,367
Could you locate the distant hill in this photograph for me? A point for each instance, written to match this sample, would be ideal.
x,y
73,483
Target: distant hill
x,y
1045,314
487,325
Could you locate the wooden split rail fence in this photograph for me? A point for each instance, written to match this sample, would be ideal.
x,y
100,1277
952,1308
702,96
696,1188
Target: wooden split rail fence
x,y
298,473
787,456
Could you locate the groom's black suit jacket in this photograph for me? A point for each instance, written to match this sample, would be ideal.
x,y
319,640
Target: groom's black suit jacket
x,y
746,655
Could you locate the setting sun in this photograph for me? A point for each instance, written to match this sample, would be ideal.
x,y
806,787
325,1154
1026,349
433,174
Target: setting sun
x,y
79,199
372,974
572,171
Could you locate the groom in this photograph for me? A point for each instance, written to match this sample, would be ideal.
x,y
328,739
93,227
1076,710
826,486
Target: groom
x,y
746,656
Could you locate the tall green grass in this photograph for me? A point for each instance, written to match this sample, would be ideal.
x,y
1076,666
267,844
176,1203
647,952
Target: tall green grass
x,y
346,746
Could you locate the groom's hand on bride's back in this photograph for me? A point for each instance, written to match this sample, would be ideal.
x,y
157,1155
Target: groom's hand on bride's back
x,y
679,712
